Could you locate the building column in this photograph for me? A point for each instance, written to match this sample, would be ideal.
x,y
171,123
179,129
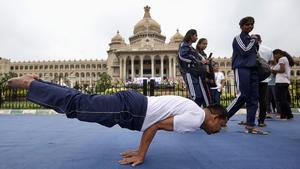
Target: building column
x,y
142,66
152,67
162,67
170,67
121,67
124,70
132,68
174,67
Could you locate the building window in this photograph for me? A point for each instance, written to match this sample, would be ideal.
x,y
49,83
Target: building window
x,y
98,66
77,66
31,67
156,71
61,67
35,67
88,66
82,74
72,66
41,67
147,71
11,68
66,66
56,67
46,67
17,67
21,67
51,67
82,66
93,66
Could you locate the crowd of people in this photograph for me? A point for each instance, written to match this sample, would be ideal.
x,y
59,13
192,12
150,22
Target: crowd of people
x,y
205,82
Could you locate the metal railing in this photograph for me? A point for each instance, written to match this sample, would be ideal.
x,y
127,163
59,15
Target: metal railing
x,y
16,98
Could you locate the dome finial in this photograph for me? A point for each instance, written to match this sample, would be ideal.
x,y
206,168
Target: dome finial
x,y
147,12
177,30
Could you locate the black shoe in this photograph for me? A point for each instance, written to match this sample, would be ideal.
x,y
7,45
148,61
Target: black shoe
x,y
290,117
262,125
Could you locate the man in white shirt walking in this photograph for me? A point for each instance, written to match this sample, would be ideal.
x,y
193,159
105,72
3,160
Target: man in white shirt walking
x,y
267,54
129,109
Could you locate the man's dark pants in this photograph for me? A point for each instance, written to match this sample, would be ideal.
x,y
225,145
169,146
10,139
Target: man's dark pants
x,y
126,108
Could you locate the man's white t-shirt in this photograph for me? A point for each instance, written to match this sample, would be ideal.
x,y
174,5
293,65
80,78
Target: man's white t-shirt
x,y
283,77
267,54
219,76
188,116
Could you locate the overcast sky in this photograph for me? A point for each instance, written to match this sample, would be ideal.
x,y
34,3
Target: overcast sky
x,y
82,29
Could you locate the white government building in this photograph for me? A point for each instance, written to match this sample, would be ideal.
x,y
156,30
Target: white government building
x,y
146,56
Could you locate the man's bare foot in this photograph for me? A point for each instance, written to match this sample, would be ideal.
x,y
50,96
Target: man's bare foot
x,y
22,82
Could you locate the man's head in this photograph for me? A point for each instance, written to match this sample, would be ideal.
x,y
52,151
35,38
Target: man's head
x,y
191,36
247,24
215,118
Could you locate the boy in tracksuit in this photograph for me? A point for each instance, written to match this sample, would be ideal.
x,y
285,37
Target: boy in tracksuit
x,y
195,83
244,65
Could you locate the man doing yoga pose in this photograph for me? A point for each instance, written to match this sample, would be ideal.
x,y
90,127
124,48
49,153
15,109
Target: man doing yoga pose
x,y
129,109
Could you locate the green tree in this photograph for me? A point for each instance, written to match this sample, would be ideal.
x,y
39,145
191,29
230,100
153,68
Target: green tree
x,y
4,77
104,82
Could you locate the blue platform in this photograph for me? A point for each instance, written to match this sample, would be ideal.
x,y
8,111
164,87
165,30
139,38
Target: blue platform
x,y
55,142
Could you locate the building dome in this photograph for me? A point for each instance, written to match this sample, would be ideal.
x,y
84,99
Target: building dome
x,y
117,38
147,23
177,37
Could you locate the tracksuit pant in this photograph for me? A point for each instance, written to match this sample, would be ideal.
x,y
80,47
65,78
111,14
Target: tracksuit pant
x,y
247,92
198,89
282,93
263,101
126,108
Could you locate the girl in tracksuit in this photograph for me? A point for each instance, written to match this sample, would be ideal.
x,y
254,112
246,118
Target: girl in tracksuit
x,y
244,65
195,83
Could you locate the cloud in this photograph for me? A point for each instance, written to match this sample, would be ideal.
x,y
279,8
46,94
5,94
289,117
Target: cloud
x,y
70,29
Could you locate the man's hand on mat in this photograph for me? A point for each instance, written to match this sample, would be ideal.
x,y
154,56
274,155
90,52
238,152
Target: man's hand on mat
x,y
129,153
134,160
